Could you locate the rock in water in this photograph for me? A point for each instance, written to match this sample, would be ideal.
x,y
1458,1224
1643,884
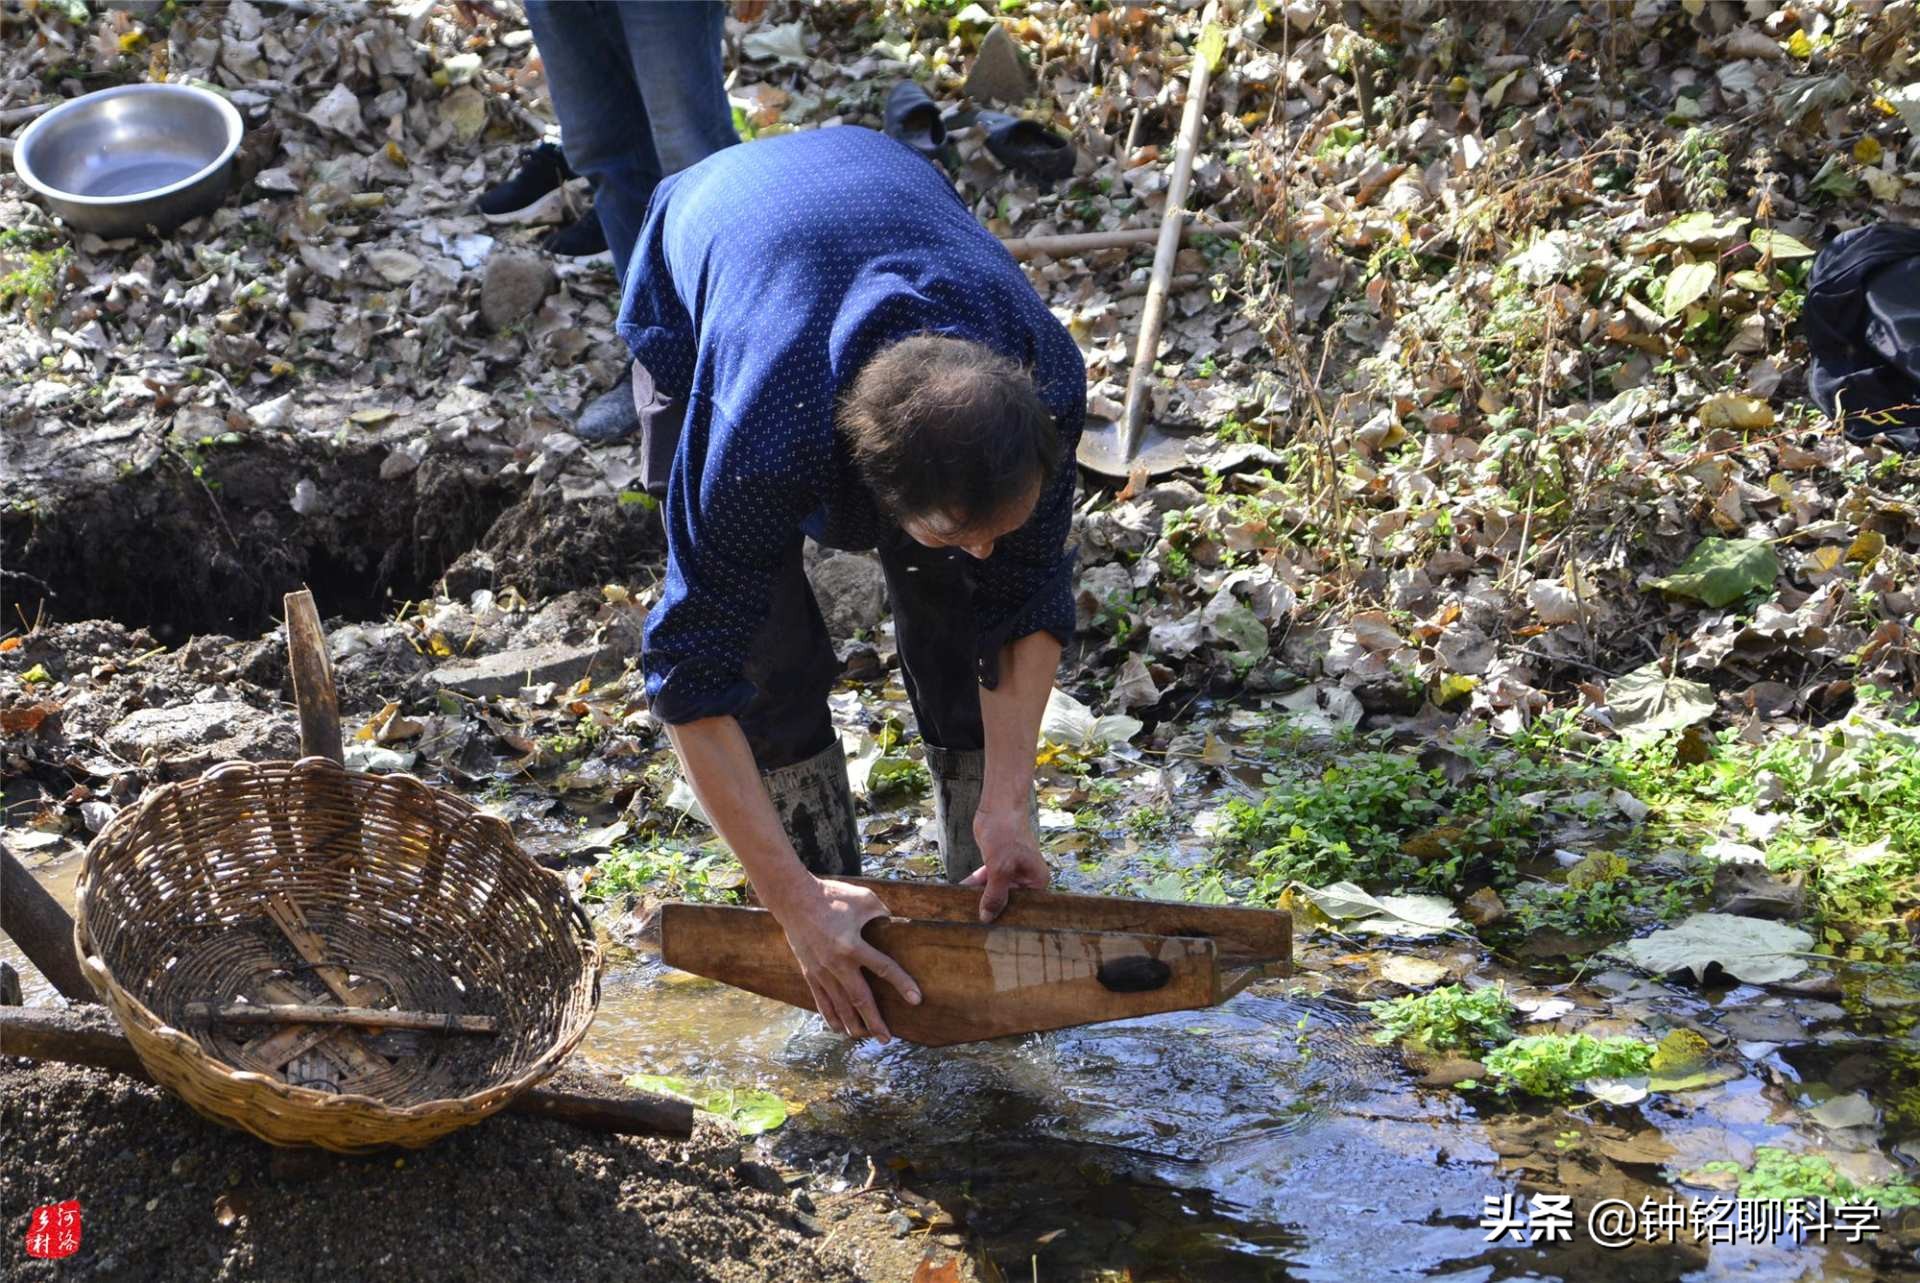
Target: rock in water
x,y
1483,908
513,289
999,72
852,591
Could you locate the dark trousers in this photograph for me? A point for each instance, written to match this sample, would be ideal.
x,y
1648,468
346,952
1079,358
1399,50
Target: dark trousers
x,y
792,663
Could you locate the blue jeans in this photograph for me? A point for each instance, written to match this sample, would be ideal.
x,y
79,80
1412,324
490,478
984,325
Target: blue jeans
x,y
638,90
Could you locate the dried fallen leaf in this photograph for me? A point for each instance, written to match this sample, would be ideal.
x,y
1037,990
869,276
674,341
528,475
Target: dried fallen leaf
x,y
1649,702
25,719
1729,411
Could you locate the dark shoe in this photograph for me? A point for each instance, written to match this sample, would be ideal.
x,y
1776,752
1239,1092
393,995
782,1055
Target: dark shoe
x,y
541,169
1027,147
611,416
914,119
582,238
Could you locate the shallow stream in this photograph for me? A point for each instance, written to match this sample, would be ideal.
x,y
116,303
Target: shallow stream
x,y
1269,1138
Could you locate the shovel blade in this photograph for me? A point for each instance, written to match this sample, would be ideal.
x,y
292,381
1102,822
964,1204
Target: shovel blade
x,y
1156,454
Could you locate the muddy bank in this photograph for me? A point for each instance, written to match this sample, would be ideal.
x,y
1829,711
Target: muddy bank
x,y
166,1195
221,532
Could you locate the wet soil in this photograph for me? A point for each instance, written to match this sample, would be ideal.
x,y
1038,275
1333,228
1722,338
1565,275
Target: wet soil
x,y
166,1195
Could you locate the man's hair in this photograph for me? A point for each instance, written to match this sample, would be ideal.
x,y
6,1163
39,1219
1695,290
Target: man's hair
x,y
947,429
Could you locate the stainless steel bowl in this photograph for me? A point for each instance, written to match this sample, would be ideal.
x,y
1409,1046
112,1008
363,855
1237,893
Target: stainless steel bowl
x,y
122,160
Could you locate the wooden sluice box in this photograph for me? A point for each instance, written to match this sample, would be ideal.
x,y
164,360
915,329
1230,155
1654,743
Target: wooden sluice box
x,y
1049,961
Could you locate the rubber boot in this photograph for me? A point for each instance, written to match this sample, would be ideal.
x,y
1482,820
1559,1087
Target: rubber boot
x,y
958,774
815,804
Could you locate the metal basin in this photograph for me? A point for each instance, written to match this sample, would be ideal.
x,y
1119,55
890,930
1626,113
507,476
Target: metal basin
x,y
123,160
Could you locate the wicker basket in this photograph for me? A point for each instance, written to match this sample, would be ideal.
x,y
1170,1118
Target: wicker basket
x,y
406,897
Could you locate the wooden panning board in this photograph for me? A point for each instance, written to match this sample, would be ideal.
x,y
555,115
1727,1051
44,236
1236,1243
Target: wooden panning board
x,y
1050,961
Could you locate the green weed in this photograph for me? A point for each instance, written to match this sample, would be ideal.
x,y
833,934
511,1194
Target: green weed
x,y
562,746
703,874
39,282
1603,895
1777,1174
1853,821
1552,1065
1449,1018
1381,818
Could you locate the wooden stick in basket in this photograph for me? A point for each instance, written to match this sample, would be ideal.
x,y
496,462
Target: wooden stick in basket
x,y
88,1036
313,687
309,1013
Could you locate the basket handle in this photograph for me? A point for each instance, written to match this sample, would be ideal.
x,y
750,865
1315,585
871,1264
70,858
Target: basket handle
x,y
313,689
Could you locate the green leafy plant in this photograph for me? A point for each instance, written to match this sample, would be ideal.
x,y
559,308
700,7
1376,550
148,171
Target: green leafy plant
x,y
898,776
38,282
1603,895
1149,821
1383,819
704,874
562,746
1449,1018
1552,1065
1777,1174
1853,828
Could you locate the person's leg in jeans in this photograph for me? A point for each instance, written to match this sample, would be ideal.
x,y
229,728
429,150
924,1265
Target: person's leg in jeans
x,y
933,627
673,48
602,111
640,94
789,728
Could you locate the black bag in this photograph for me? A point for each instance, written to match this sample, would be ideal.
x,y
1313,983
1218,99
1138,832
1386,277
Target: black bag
x,y
1862,326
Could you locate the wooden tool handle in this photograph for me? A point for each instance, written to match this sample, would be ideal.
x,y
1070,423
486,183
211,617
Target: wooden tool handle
x,y
1154,310
1069,243
313,688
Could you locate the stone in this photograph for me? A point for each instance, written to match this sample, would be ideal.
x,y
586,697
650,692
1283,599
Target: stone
x,y
470,572
1171,496
999,72
505,672
1452,1072
1483,908
1751,891
194,736
513,289
852,591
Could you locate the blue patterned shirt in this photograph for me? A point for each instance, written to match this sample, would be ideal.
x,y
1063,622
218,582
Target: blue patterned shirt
x,y
765,277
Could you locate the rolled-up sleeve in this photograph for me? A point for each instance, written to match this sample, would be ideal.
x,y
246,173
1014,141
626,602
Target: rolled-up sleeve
x,y
1026,586
728,506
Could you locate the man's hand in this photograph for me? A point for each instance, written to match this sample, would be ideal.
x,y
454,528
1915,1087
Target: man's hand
x,y
749,11
823,928
1010,857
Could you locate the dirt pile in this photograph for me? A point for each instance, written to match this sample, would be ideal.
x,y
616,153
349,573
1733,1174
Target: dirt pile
x,y
167,1195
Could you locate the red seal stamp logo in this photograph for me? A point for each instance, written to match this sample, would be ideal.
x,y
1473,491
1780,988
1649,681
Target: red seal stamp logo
x,y
53,1231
